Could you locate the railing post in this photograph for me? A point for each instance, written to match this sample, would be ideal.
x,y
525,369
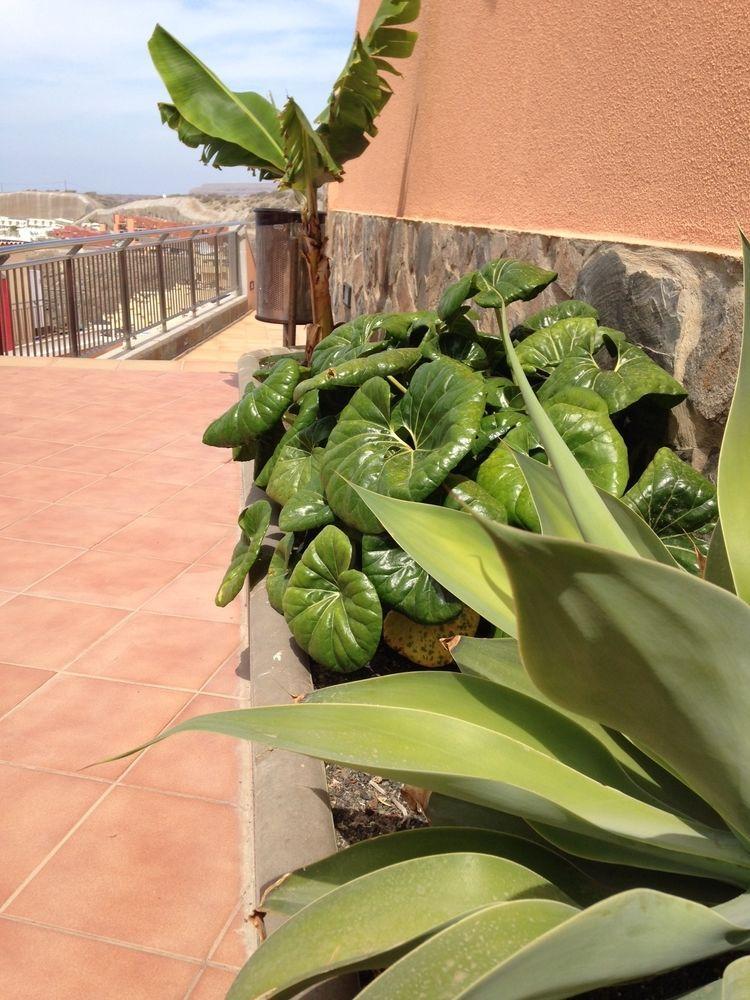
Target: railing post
x,y
127,323
162,284
216,266
191,271
71,304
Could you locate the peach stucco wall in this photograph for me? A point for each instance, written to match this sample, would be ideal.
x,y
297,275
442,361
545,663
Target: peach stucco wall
x,y
614,118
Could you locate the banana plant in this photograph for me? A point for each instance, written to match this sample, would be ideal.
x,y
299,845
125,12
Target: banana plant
x,y
587,771
425,406
244,129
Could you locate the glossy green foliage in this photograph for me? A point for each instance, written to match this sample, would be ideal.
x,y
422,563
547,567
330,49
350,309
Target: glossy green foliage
x,y
633,377
260,408
403,585
333,611
506,280
365,335
676,501
560,311
253,521
547,347
359,370
467,494
279,570
404,450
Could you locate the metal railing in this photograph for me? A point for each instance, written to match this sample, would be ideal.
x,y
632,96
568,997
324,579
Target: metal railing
x,y
86,295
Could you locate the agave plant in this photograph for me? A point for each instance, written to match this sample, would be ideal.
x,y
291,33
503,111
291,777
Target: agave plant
x,y
244,129
589,768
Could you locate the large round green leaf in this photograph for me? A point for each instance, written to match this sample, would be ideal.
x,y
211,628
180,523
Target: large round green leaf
x,y
279,571
259,409
466,494
561,310
358,370
672,497
403,585
333,611
307,509
296,461
508,280
545,349
588,433
362,336
455,295
253,522
634,376
308,413
404,452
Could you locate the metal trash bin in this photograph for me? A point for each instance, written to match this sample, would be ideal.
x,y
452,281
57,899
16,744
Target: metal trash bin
x,y
282,290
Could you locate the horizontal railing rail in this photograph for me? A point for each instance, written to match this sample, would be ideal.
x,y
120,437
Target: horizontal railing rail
x,y
86,295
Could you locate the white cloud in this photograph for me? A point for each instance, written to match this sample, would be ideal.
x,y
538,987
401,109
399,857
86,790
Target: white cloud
x,y
79,88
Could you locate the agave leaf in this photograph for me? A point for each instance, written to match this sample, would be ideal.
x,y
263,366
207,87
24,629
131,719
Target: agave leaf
x,y
734,461
633,935
359,370
507,280
404,903
253,522
308,414
453,960
736,980
279,571
333,611
361,91
546,348
560,311
465,562
465,494
657,668
596,523
304,886
406,451
402,584
446,753
634,376
248,120
557,518
717,569
262,405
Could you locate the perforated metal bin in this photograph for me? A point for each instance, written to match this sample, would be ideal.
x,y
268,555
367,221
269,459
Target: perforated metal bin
x,y
282,296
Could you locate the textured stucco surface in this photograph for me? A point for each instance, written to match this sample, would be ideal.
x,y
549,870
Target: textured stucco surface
x,y
590,117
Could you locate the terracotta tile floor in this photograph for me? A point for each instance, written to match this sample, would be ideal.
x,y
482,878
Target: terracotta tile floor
x,y
124,879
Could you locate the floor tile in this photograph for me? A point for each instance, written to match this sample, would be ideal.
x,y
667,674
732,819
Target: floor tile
x,y
127,495
221,553
168,469
191,446
60,525
38,811
12,509
170,766
109,879
195,503
192,596
16,448
145,437
41,964
164,538
234,947
230,677
34,483
18,682
90,719
38,632
22,562
213,985
116,579
60,432
161,649
82,458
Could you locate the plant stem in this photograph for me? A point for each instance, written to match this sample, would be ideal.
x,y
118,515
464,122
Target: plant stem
x,y
395,381
319,271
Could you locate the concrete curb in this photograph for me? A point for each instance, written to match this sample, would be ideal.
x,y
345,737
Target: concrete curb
x,y
292,822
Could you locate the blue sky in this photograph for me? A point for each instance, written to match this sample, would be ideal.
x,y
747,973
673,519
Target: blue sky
x,y
79,91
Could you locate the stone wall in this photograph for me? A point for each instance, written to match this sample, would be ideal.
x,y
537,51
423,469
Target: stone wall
x,y
684,307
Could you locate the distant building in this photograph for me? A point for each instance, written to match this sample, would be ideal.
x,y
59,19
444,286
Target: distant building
x,y
31,230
